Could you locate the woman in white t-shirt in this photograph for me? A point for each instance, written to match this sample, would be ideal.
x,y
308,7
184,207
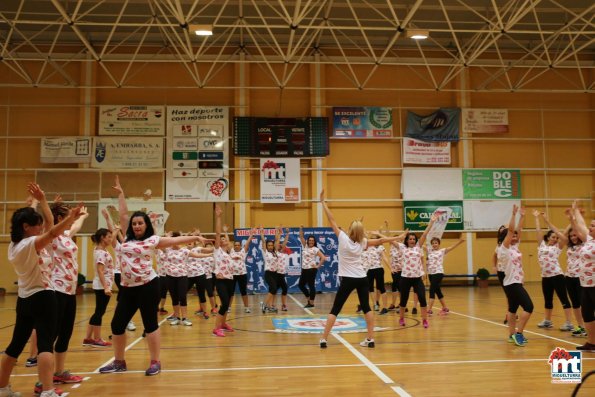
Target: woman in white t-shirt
x,y
271,261
312,259
240,272
587,273
140,285
31,235
196,274
549,249
281,269
373,263
435,264
572,278
102,286
512,261
352,273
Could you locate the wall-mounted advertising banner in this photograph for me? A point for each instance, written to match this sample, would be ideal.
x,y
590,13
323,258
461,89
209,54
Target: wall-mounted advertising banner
x,y
487,214
131,120
485,121
439,126
421,152
362,122
197,153
119,152
417,214
491,184
65,150
280,180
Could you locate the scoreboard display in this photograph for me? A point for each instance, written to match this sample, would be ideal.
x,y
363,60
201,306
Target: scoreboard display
x,y
281,137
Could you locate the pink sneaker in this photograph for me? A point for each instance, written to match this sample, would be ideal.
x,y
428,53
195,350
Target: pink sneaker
x,y
219,332
67,377
88,342
430,312
402,322
101,343
425,323
214,311
227,327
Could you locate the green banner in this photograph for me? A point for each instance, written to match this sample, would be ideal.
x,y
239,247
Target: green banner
x,y
491,184
417,214
185,155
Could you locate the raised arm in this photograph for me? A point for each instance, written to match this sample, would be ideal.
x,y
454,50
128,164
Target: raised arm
x,y
329,214
218,225
562,239
424,235
122,206
263,240
54,231
44,208
521,223
285,240
578,222
78,224
302,239
455,245
383,239
538,231
510,232
247,243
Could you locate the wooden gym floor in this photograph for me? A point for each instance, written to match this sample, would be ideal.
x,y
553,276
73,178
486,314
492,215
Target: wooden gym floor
x,y
463,353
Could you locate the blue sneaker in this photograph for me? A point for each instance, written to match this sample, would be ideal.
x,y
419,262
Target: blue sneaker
x,y
154,368
525,340
114,366
518,339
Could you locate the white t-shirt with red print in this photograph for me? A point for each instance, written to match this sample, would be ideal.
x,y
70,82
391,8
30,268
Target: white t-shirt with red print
x,y
177,262
137,261
160,260
238,261
208,265
512,259
350,257
282,263
548,258
309,255
574,261
270,261
412,261
366,259
195,265
396,259
65,267
587,274
117,258
436,260
375,256
223,265
499,263
33,268
101,256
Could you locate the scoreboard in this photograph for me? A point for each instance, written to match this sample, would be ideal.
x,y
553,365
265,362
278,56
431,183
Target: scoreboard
x,y
281,137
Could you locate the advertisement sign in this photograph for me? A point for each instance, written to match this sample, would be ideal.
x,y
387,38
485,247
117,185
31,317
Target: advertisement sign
x,y
131,120
119,152
65,150
197,166
362,122
421,152
439,126
280,180
417,214
491,184
487,214
327,278
485,121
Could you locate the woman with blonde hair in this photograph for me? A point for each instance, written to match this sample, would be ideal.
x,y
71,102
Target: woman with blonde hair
x,y
352,273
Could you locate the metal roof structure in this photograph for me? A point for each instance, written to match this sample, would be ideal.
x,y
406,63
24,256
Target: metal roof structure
x,y
513,45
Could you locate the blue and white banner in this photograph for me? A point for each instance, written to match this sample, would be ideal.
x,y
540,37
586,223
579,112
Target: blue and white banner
x,y
441,126
326,278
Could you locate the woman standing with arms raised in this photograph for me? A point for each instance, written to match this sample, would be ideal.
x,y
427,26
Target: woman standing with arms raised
x,y
352,273
140,285
310,252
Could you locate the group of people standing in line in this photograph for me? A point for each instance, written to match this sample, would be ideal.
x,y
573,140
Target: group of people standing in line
x,y
43,255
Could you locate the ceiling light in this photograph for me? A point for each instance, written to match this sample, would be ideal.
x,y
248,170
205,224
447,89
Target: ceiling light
x,y
202,30
417,34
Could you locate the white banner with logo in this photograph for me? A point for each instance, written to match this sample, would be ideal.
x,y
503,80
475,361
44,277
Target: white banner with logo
x,y
422,152
280,180
482,121
65,150
154,208
442,216
487,214
197,159
119,152
131,120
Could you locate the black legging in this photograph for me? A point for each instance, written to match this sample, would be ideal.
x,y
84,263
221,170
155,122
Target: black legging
x,y
225,291
144,298
308,277
588,304
241,280
271,279
347,285
435,281
573,286
178,290
101,302
118,281
517,296
281,283
38,312
378,276
66,310
396,279
201,286
551,284
418,288
162,287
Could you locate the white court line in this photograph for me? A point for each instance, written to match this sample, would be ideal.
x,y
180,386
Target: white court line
x,y
371,366
400,391
126,349
503,325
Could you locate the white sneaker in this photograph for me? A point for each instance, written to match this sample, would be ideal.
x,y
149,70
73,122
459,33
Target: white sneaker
x,y
175,321
247,310
48,393
545,324
186,322
367,343
7,392
567,327
131,326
